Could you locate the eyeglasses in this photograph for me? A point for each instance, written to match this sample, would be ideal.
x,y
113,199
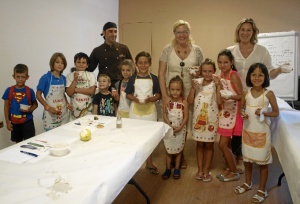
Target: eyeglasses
x,y
186,32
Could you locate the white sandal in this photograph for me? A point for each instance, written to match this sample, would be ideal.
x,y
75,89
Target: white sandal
x,y
259,199
240,189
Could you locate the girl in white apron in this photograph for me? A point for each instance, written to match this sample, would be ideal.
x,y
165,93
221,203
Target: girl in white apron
x,y
127,69
177,118
230,120
143,91
256,140
81,86
55,102
203,95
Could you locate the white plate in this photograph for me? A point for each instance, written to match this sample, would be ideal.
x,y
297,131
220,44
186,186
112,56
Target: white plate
x,y
226,94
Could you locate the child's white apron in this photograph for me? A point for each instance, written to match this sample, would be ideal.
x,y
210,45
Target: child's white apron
x,y
228,113
176,143
205,116
56,98
143,88
256,138
82,104
124,104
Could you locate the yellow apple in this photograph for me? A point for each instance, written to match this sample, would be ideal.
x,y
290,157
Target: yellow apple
x,y
85,135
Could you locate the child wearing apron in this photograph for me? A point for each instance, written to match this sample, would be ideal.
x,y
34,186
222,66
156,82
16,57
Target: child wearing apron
x,y
52,86
81,86
143,91
204,97
176,117
256,140
127,69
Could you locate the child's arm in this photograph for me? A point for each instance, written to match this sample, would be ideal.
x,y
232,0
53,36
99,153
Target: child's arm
x,y
166,119
32,107
236,81
9,126
243,106
273,102
185,116
154,98
95,109
218,88
70,90
191,96
69,106
44,103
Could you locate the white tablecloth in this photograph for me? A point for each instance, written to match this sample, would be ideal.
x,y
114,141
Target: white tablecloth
x,y
286,140
93,172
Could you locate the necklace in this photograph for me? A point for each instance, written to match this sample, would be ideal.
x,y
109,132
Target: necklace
x,y
182,57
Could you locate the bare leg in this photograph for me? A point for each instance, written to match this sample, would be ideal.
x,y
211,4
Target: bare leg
x,y
177,160
208,156
263,177
168,161
149,162
224,145
200,154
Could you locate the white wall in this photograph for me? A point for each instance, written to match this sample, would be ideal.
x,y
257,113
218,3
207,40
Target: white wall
x,y
32,30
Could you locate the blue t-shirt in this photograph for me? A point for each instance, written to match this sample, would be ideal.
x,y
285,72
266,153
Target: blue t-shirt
x,y
130,86
18,98
44,82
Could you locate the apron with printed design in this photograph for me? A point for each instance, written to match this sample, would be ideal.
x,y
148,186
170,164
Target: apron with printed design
x,y
228,113
176,143
56,99
205,117
143,88
256,138
82,104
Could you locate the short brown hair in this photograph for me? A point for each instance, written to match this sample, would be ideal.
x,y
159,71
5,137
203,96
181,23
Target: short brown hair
x,y
21,68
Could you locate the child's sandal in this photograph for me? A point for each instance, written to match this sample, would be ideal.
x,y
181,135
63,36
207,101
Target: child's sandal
x,y
176,174
207,178
167,174
241,189
259,199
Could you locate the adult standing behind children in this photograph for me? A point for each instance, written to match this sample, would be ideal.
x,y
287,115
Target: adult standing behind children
x,y
175,60
143,91
81,86
19,119
109,55
52,85
246,52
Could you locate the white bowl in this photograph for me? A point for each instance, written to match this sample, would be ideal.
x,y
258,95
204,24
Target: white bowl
x,y
24,107
60,149
286,68
142,100
226,94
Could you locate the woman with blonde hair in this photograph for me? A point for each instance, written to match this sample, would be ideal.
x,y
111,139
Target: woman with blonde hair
x,y
176,59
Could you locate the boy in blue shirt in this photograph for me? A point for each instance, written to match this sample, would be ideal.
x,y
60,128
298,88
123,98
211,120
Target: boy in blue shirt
x,y
20,120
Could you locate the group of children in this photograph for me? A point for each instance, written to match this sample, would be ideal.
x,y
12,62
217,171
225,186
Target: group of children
x,y
236,114
135,96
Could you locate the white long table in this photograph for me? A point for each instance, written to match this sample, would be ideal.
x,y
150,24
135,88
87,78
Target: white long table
x,y
286,140
93,172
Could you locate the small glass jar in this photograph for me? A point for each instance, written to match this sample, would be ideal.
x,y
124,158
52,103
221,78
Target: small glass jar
x,y
119,122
